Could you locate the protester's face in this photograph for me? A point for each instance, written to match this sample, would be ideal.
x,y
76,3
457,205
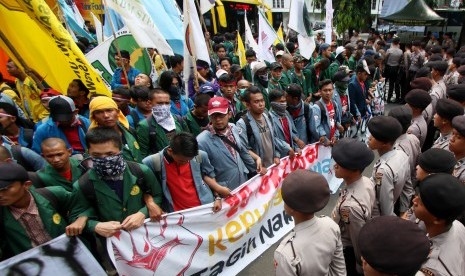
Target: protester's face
x,y
160,99
107,117
327,92
120,101
256,104
288,62
327,52
457,142
103,149
119,61
12,69
363,76
6,120
277,73
299,65
292,100
219,121
14,192
201,111
420,210
45,102
221,53
179,159
250,59
243,84
57,155
225,65
420,173
142,79
228,89
203,71
73,90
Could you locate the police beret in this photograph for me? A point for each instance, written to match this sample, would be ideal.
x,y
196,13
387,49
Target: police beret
x,y
456,92
437,160
461,70
393,245
423,72
403,114
11,172
459,124
418,98
385,128
352,154
421,83
443,194
448,109
439,65
305,191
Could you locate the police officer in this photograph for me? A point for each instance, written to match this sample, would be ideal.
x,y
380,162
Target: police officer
x,y
392,246
314,247
446,110
438,204
456,92
392,170
418,100
457,146
356,199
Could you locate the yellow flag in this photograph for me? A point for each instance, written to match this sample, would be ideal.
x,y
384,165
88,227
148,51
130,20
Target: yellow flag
x,y
32,36
280,35
240,52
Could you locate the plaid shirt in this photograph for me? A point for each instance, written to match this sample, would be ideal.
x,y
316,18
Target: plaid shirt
x,y
228,134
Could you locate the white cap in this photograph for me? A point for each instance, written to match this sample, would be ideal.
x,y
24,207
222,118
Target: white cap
x,y
340,50
365,66
280,53
220,72
257,65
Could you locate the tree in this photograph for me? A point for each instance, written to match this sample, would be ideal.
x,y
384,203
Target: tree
x,y
350,14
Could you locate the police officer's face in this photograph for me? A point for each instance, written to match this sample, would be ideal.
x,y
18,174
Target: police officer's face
x,y
57,155
219,121
373,143
438,121
457,143
420,210
368,270
106,117
420,173
13,193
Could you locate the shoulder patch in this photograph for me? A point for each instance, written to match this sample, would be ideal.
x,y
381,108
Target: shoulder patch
x,y
427,272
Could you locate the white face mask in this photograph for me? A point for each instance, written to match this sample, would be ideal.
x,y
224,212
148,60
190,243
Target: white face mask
x,y
163,117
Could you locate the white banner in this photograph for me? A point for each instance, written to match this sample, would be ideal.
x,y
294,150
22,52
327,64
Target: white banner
x,y
200,242
329,22
266,38
60,256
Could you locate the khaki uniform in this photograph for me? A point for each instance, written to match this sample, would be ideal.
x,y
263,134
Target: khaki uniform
x,y
459,170
419,128
390,174
447,255
438,91
410,145
353,209
313,248
442,142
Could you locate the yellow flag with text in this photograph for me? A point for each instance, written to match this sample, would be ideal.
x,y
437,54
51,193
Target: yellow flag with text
x,y
240,52
34,38
280,35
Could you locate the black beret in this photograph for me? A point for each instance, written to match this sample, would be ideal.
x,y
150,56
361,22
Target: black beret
x,y
443,194
418,98
423,72
456,92
437,160
385,128
461,70
393,245
305,191
352,154
440,66
459,124
448,109
421,83
11,172
403,114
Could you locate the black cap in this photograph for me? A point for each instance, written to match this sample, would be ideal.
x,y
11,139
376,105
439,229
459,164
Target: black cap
x,y
275,65
11,172
461,70
385,128
305,191
403,114
418,98
456,92
423,72
443,194
437,160
448,109
125,54
393,245
341,75
62,108
458,123
423,83
438,65
352,154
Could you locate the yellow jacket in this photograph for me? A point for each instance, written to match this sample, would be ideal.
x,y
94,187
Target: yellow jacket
x,y
30,100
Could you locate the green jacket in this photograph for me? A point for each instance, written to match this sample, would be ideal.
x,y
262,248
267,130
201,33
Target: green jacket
x,y
161,140
50,177
15,238
332,69
192,124
247,71
131,148
351,63
110,207
311,79
286,78
300,81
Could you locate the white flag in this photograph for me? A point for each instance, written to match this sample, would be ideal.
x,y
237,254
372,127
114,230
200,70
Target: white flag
x,y
206,5
329,21
299,21
249,40
266,37
306,45
141,26
98,28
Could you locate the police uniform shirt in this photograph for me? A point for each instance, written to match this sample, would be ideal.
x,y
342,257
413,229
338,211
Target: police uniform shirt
x,y
353,209
313,248
418,128
390,173
459,170
443,141
438,91
447,256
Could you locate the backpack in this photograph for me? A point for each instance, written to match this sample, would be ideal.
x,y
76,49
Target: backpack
x,y
27,135
307,118
88,189
17,155
156,162
322,108
135,118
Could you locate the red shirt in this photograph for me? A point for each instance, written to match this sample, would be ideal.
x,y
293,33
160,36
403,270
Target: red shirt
x,y
67,175
345,104
72,135
286,129
331,116
181,185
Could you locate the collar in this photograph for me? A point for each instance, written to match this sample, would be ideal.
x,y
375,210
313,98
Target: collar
x,y
213,131
167,157
31,209
387,155
306,224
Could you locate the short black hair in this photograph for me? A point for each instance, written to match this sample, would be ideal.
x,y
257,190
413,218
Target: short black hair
x,y
139,92
82,86
251,90
100,135
123,91
226,78
324,62
201,100
450,51
185,144
276,94
166,79
218,46
226,58
9,109
250,53
290,47
279,47
457,61
175,60
294,90
324,83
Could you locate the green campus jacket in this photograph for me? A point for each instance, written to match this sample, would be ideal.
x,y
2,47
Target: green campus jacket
x,y
50,177
192,124
247,72
131,148
109,206
300,81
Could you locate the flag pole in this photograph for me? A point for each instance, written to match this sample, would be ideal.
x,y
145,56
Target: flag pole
x,y
115,39
194,59
202,21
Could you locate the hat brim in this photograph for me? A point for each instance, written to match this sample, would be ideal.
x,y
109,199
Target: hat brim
x,y
5,183
62,117
218,110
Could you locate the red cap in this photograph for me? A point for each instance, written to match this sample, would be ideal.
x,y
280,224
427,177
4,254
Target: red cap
x,y
49,92
218,105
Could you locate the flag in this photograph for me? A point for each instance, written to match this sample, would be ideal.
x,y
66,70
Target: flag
x,y
74,20
206,5
299,21
266,37
56,57
116,21
141,25
280,35
249,40
98,28
240,52
329,22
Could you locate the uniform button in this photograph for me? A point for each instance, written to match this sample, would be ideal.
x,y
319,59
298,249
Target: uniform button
x,y
124,209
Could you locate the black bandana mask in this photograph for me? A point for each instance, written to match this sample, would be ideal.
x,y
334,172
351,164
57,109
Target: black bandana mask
x,y
109,166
